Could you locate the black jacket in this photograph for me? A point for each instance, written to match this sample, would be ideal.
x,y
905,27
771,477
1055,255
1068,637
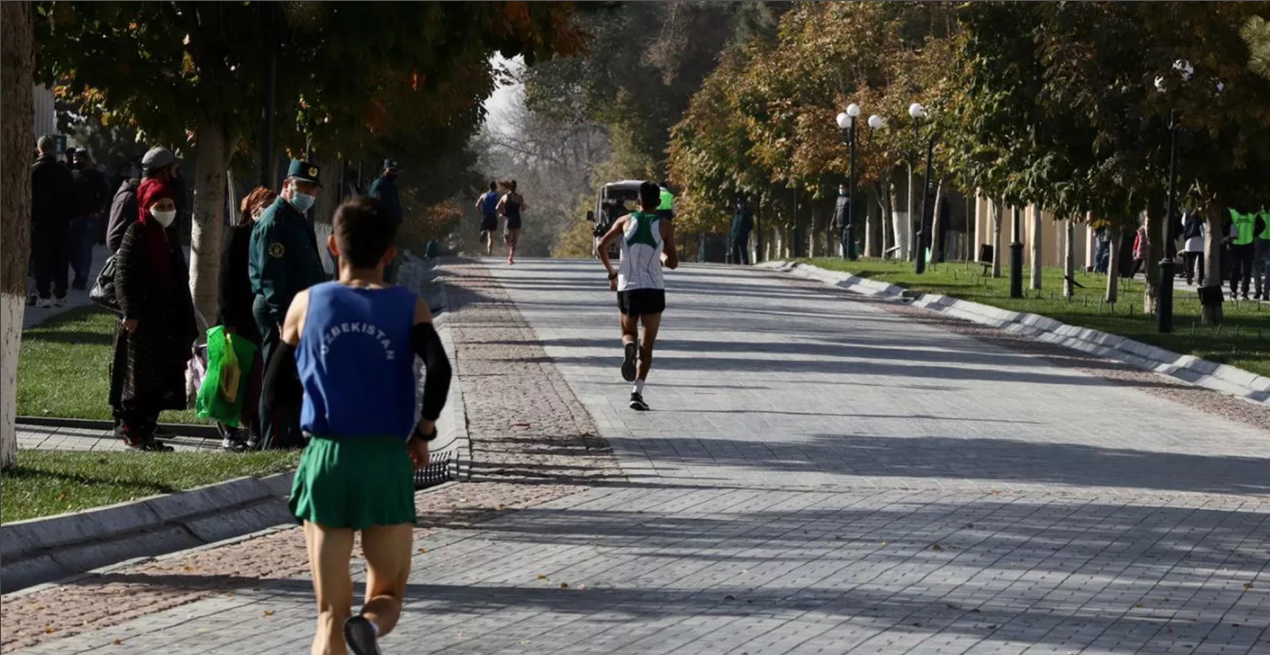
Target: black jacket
x,y
92,196
236,295
52,197
123,212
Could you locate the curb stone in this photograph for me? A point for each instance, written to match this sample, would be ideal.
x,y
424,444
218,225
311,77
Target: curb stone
x,y
1187,368
60,548
45,549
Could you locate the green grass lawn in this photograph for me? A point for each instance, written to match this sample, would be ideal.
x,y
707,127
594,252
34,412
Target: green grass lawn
x,y
64,368
1243,340
47,482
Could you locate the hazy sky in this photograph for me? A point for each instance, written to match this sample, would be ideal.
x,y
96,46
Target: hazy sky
x,y
504,96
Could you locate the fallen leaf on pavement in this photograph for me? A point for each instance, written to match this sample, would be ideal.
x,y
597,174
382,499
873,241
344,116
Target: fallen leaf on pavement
x,y
117,642
423,551
268,612
542,577
937,548
1247,586
564,585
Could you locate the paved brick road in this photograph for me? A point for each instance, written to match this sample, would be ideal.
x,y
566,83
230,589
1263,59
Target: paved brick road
x,y
821,476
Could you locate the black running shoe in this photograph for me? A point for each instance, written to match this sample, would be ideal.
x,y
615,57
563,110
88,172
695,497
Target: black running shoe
x,y
638,404
628,362
360,635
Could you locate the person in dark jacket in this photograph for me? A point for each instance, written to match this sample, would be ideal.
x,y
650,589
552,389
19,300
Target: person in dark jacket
x,y
843,230
283,260
739,232
52,206
385,189
157,164
92,198
157,330
237,300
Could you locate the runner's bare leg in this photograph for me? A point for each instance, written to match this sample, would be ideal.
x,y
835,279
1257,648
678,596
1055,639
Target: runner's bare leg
x,y
330,550
387,549
652,323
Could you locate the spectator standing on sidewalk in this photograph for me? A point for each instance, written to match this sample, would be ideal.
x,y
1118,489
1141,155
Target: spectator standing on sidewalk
x,y
1242,251
1141,250
739,233
1102,250
52,206
353,343
237,300
284,260
384,188
1261,268
157,330
92,202
840,224
1193,231
157,164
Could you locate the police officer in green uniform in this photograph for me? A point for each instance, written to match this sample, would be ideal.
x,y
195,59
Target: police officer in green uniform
x,y
284,260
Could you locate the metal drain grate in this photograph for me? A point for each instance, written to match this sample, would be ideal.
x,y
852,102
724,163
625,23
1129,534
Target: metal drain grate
x,y
441,468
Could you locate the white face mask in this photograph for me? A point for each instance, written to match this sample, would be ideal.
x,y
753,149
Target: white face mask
x,y
164,218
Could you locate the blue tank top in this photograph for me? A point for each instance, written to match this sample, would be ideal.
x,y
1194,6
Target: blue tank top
x,y
489,203
356,363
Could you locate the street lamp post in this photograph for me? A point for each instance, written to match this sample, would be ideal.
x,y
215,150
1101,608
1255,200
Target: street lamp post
x,y
917,112
1164,287
846,123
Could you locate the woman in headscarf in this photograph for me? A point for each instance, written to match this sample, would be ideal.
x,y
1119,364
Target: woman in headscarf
x,y
236,299
155,338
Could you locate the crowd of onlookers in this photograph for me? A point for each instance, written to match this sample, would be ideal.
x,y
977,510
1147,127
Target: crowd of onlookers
x,y
1244,250
270,254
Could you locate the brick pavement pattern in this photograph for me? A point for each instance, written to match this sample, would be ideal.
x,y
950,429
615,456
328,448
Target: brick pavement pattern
x,y
820,475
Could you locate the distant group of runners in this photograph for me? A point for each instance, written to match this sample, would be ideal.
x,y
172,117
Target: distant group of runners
x,y
502,201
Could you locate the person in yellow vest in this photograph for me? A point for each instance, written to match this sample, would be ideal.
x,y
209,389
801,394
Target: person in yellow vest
x,y
1242,251
666,204
1261,266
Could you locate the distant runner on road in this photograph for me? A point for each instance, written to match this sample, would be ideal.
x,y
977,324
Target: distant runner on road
x,y
354,342
487,204
647,244
510,207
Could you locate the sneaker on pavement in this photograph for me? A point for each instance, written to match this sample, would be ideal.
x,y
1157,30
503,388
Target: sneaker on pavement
x,y
628,361
60,302
638,404
45,303
360,635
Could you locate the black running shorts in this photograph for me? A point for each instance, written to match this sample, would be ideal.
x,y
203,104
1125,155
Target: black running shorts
x,y
641,301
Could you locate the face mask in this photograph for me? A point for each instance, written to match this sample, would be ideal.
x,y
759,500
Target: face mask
x,y
842,192
164,218
302,201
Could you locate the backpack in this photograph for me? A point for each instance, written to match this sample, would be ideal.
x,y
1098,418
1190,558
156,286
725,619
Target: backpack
x,y
489,203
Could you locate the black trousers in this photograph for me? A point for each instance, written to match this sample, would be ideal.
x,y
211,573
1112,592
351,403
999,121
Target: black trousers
x,y
1241,269
279,425
51,250
1195,267
741,250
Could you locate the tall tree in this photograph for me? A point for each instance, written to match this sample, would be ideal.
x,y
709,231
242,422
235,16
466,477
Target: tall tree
x,y
17,68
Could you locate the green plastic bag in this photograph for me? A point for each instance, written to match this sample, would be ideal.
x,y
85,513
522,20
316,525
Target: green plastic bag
x,y
227,358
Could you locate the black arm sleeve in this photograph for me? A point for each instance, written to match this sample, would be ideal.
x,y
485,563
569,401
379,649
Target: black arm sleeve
x,y
436,385
279,381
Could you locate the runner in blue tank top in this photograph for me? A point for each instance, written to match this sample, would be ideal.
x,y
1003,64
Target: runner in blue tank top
x,y
353,343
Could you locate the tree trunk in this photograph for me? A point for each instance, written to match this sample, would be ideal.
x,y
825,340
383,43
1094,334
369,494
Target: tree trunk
x,y
1116,235
1089,242
1034,214
16,140
1213,220
1156,224
813,234
909,248
996,239
937,226
871,242
1069,261
209,198
976,230
899,242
